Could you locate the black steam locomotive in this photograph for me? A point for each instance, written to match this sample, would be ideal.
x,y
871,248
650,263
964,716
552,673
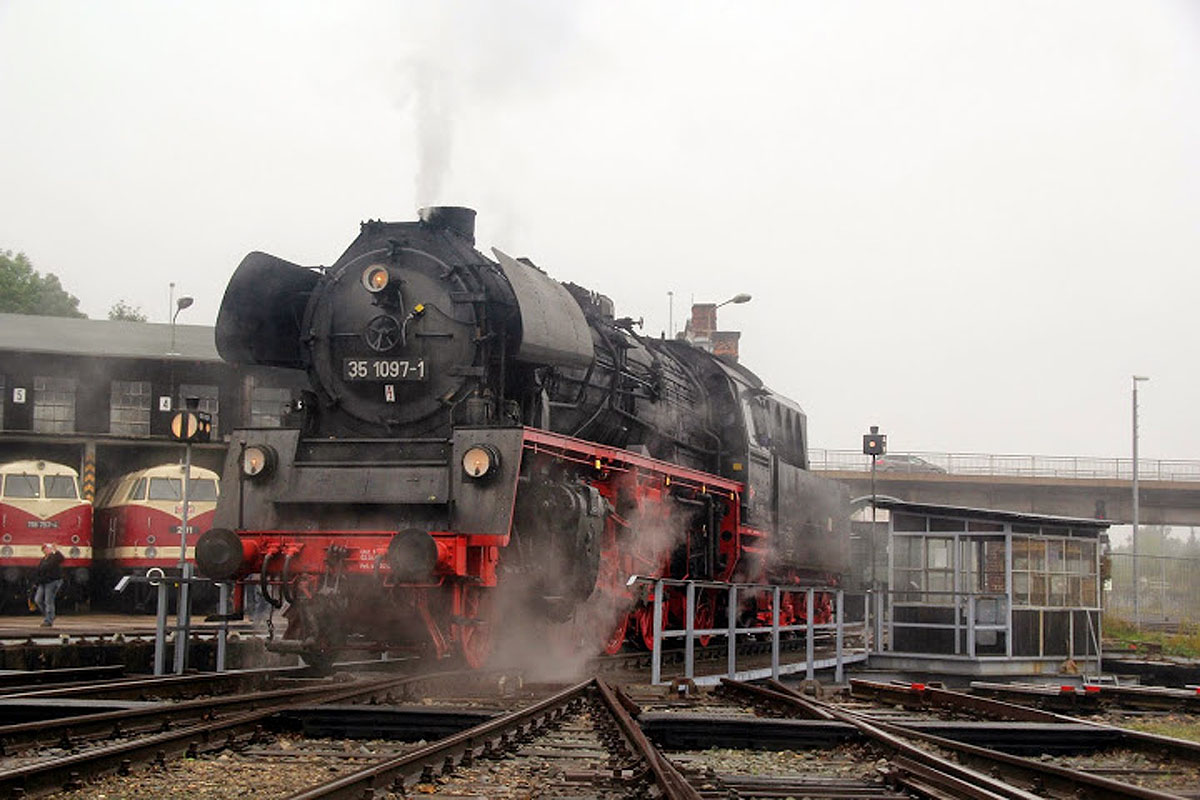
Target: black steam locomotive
x,y
482,443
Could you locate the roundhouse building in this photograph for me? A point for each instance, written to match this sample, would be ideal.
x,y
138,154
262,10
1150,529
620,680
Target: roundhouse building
x,y
99,394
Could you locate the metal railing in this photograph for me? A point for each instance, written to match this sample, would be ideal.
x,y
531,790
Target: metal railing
x,y
1030,466
839,626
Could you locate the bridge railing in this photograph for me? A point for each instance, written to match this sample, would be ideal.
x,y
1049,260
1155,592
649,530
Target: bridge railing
x,y
1033,466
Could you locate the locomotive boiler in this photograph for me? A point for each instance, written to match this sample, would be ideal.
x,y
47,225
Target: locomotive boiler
x,y
482,444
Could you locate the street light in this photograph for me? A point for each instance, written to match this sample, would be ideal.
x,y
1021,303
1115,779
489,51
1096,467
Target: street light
x,y
742,297
1137,605
180,305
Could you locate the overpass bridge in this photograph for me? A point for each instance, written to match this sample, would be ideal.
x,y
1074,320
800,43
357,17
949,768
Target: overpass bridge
x,y
1072,486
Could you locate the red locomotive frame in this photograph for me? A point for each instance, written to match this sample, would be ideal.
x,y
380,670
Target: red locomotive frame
x,y
293,563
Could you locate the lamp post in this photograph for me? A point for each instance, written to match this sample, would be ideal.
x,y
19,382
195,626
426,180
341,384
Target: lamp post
x,y
180,305
1137,604
875,445
741,297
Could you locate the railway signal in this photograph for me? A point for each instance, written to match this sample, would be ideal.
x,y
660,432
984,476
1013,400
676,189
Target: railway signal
x,y
191,425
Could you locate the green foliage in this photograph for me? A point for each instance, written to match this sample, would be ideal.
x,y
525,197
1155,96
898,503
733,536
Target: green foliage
x,y
127,313
1185,644
24,291
1180,726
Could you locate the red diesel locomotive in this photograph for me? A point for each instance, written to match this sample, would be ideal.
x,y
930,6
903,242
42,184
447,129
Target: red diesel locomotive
x,y
40,503
484,446
138,520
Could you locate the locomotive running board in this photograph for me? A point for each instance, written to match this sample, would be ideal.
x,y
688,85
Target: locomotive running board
x,y
570,448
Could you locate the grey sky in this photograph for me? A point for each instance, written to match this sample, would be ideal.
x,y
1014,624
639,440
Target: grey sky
x,y
968,223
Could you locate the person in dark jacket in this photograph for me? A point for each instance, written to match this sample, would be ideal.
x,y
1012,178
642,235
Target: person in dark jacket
x,y
48,579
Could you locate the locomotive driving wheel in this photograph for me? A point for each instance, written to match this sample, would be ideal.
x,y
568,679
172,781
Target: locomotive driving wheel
x,y
475,635
644,619
616,639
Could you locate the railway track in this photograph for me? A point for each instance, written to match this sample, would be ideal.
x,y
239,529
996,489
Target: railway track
x,y
592,739
91,745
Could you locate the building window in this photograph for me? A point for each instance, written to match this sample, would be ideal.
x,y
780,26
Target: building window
x,y
208,401
1053,572
129,410
267,406
924,569
54,405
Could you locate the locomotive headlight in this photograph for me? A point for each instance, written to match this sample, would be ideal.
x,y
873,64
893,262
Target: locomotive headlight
x,y
375,278
258,461
151,551
480,460
6,552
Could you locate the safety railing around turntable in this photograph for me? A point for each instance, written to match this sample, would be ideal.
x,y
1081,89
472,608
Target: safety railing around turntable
x,y
1028,466
842,629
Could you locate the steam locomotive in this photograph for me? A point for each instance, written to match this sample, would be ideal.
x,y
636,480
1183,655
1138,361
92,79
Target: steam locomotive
x,y
483,444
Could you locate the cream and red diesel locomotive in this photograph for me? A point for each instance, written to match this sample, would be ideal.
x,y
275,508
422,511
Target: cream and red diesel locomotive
x,y
482,444
40,503
139,517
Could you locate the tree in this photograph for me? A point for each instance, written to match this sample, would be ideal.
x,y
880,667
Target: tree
x,y
24,291
127,313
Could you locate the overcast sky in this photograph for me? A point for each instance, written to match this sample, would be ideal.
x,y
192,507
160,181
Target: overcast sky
x,y
967,222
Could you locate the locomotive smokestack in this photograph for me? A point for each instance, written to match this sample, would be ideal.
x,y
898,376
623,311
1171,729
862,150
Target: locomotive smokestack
x,y
458,219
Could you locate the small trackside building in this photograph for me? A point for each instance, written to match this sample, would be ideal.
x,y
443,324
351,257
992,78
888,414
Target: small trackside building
x,y
977,591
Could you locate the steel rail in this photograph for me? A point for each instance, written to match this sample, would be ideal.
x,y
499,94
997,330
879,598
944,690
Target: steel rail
x,y
672,783
1071,779
1153,698
1097,786
164,685
31,734
948,698
460,746
922,696
24,679
778,696
955,779
54,774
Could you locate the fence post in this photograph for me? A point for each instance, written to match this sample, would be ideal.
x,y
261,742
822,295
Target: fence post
x,y
971,625
160,631
689,632
733,617
223,636
775,595
841,624
656,655
868,624
881,602
809,635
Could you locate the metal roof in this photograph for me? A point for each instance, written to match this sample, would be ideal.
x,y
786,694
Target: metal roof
x,y
26,333
934,509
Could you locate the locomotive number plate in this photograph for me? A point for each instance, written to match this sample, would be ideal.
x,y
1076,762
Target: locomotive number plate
x,y
383,369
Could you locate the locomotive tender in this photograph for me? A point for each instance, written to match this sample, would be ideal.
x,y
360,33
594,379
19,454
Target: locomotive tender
x,y
483,443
